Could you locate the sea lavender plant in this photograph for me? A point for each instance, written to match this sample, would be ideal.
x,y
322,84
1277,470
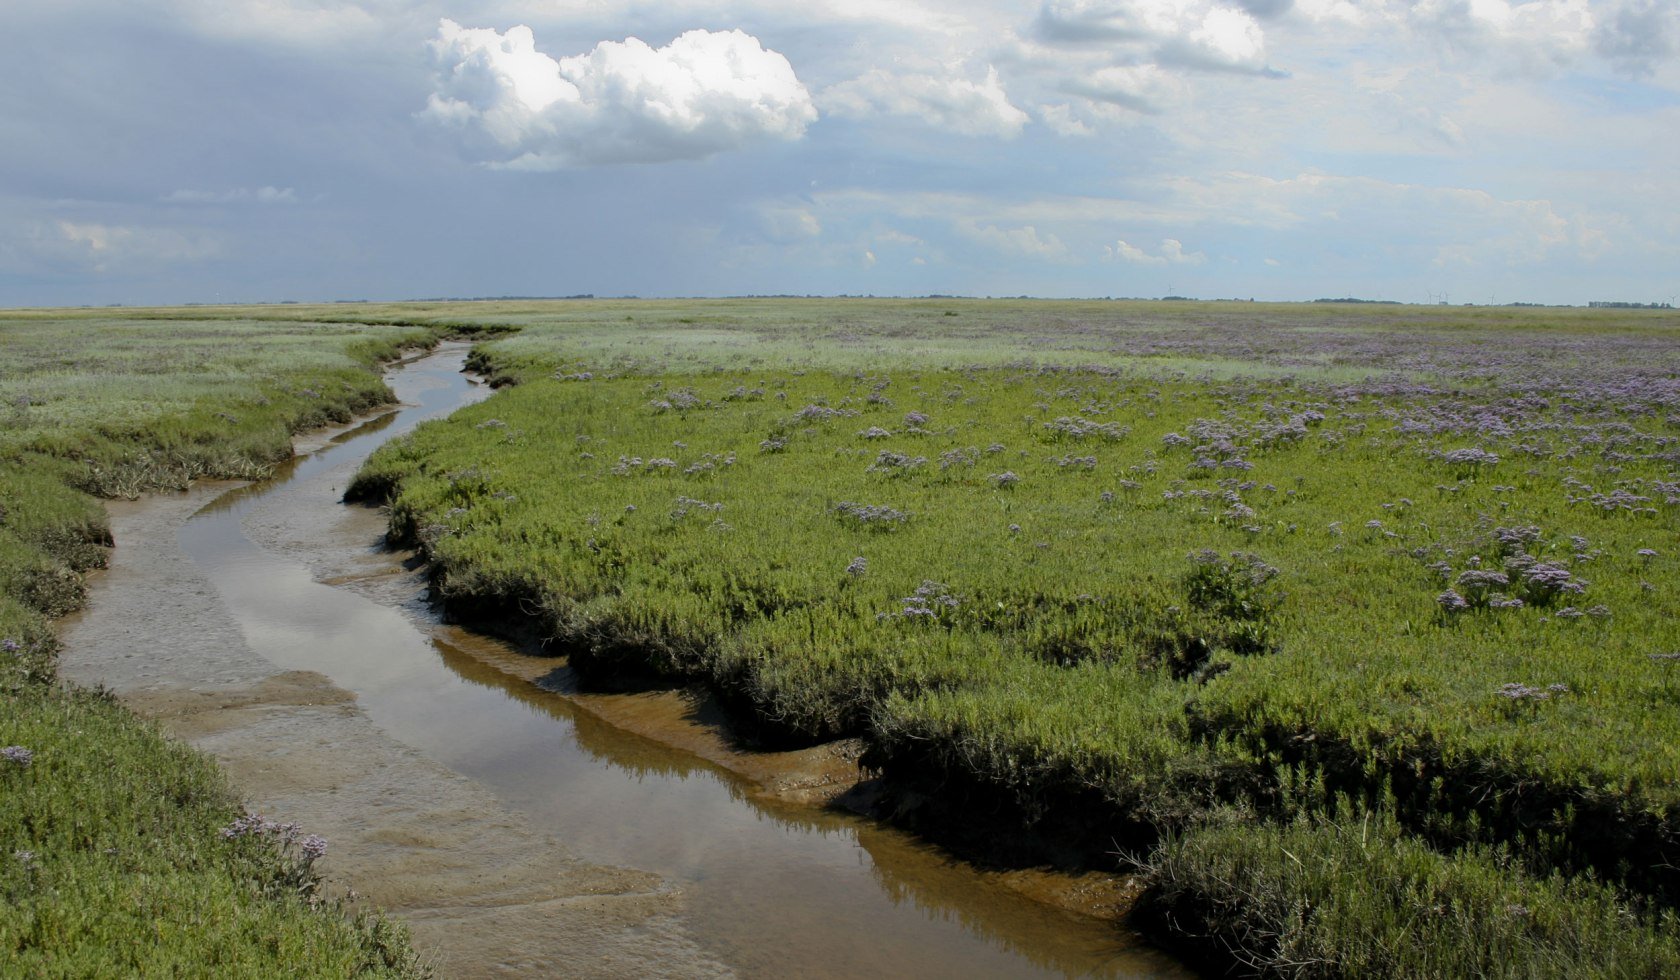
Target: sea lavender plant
x,y
871,515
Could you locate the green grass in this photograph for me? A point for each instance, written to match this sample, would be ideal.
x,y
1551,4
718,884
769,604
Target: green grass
x,y
122,406
112,856
112,862
1115,628
1352,895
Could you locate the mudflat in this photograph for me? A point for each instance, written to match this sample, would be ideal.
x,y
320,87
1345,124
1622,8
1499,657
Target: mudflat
x,y
483,893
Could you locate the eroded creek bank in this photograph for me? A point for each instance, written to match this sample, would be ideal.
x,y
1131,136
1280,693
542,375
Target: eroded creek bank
x,y
519,826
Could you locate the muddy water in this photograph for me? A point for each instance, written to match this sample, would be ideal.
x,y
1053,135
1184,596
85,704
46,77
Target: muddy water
x,y
769,886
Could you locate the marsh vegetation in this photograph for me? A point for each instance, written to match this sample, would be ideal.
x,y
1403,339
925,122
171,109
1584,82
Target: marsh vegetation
x,y
1350,628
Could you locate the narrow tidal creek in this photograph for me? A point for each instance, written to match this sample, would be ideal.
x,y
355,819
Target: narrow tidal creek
x,y
770,888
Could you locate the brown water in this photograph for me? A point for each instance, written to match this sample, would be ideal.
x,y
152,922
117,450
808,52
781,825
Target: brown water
x,y
769,887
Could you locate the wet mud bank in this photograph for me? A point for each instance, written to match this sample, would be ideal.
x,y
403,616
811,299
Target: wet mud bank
x,y
521,824
1056,845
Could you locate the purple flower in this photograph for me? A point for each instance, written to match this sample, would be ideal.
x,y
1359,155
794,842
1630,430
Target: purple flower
x,y
894,464
929,601
871,515
857,566
820,413
1478,580
257,825
18,756
1472,457
1078,427
1515,539
313,847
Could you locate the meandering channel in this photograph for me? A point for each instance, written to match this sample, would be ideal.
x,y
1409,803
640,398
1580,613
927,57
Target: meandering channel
x,y
763,886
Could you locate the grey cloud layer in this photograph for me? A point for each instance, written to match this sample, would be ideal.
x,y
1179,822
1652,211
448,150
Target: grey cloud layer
x,y
311,148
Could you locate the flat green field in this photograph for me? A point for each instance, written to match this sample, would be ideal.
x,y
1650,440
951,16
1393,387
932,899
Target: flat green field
x,y
1352,626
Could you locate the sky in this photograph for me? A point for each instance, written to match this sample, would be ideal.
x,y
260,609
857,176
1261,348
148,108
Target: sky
x,y
1472,151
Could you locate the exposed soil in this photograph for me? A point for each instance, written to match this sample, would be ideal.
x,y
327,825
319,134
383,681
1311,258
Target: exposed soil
x,y
825,775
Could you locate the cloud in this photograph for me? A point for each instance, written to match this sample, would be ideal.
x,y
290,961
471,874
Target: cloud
x,y
1193,33
1267,9
623,102
109,248
1024,241
1638,34
892,236
951,103
1172,253
1064,121
1140,88
1456,225
300,22
788,224
1536,37
238,195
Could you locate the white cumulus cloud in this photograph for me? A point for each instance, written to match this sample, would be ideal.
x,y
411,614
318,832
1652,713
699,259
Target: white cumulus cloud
x,y
1171,253
622,102
1024,240
972,108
